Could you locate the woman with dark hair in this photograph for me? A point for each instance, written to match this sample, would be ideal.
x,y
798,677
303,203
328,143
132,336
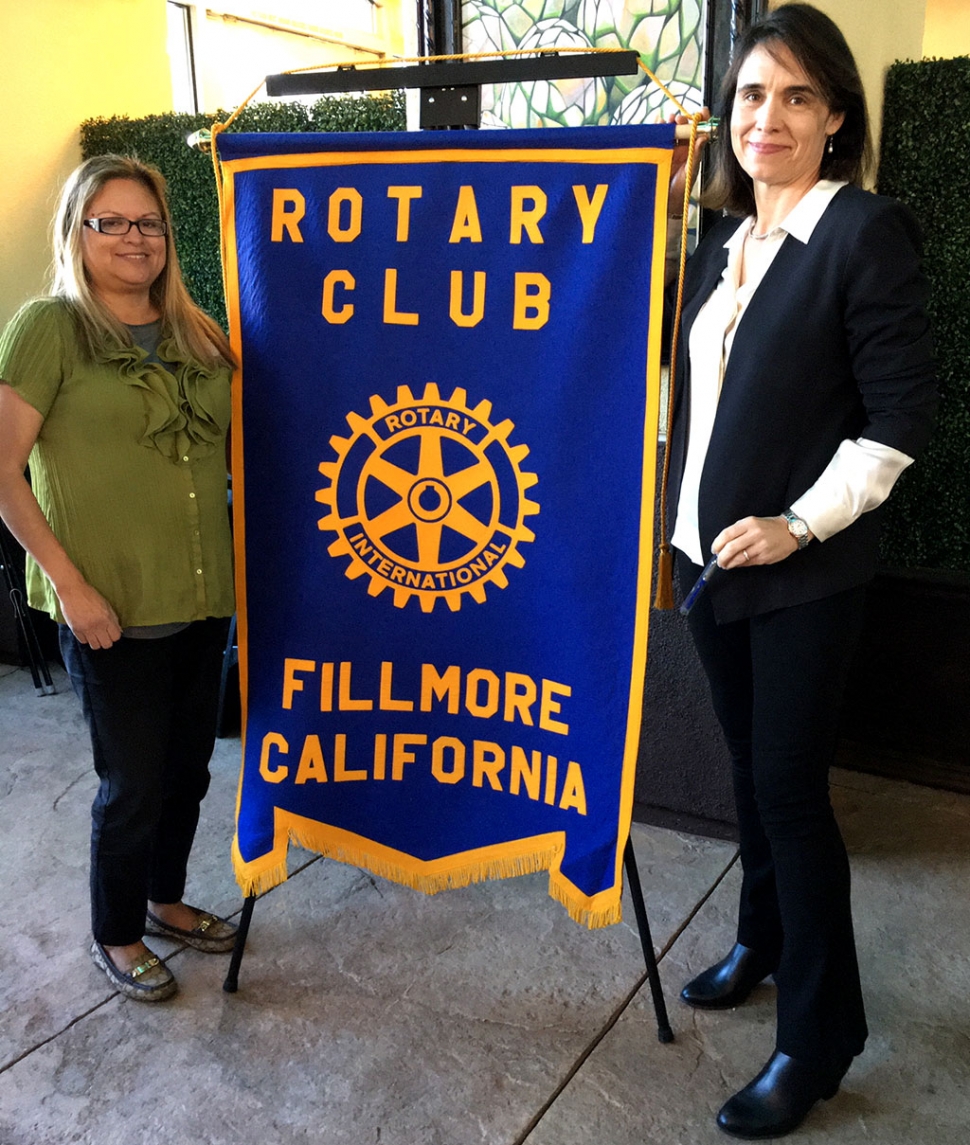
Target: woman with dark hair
x,y
808,386
116,388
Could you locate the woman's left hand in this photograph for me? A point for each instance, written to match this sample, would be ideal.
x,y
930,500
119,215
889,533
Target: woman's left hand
x,y
754,541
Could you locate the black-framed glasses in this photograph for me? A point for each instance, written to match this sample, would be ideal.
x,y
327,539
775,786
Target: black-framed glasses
x,y
150,228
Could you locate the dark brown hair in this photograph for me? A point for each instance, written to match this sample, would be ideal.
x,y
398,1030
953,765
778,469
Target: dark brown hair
x,y
822,53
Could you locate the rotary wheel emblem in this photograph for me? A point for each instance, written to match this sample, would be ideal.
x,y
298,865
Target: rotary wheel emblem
x,y
427,498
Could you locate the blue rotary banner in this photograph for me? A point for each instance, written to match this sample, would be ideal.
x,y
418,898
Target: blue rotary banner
x,y
444,457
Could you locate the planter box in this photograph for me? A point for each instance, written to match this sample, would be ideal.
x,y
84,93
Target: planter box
x,y
906,714
684,771
907,711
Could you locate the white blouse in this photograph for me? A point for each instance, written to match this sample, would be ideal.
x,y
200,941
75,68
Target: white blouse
x,y
860,475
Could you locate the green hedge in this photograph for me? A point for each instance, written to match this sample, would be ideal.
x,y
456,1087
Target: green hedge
x,y
161,140
925,161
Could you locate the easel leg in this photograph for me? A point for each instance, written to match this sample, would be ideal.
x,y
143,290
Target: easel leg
x,y
43,684
664,1032
231,984
229,658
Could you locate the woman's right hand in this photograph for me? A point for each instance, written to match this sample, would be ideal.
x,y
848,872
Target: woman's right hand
x,y
90,617
678,167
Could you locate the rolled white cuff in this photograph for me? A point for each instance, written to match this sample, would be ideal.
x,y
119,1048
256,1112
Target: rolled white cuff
x,y
858,479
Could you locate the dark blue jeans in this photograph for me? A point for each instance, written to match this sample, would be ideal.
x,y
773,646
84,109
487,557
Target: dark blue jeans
x,y
777,682
150,706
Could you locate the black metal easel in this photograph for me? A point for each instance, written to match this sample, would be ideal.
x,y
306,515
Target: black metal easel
x,y
17,595
451,98
451,90
664,1033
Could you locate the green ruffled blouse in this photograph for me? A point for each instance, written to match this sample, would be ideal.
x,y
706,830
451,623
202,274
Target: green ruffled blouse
x,y
129,469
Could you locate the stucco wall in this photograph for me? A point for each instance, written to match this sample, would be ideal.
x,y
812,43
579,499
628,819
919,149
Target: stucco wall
x,y
878,32
282,43
947,31
64,62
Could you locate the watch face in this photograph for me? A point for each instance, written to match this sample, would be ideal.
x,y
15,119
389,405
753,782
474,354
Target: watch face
x,y
796,526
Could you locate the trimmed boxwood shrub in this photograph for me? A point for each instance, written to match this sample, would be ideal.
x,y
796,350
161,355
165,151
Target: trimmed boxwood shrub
x,y
161,140
925,162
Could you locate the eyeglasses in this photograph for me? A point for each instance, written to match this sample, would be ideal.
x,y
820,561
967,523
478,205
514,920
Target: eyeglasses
x,y
150,228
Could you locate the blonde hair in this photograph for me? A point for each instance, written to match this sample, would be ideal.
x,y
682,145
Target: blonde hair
x,y
196,335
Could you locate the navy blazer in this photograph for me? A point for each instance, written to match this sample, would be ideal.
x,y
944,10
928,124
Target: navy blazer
x,y
835,343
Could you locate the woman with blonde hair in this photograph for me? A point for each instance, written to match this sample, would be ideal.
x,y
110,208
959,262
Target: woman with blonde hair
x,y
115,389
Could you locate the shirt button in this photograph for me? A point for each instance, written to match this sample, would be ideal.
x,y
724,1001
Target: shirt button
x,y
191,494
199,571
185,458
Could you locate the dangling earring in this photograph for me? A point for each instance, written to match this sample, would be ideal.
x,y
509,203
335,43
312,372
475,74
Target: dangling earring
x,y
831,147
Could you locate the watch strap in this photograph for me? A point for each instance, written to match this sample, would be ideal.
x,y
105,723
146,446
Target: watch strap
x,y
798,528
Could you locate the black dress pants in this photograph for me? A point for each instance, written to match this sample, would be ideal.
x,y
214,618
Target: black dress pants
x,y
150,706
777,682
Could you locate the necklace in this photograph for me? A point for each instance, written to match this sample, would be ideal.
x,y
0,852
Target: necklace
x,y
759,238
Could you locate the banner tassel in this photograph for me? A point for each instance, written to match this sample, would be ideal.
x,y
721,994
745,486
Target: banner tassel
x,y
664,598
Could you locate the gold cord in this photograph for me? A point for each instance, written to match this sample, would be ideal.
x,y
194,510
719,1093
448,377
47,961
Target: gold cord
x,y
664,598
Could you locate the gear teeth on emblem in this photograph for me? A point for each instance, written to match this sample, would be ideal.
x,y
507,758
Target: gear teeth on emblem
x,y
429,520
357,423
502,430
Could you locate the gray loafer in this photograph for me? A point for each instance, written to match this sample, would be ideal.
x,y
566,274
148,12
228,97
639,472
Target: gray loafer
x,y
152,981
211,935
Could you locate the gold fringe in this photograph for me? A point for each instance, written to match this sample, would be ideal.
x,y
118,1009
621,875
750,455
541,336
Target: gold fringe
x,y
260,882
463,874
582,912
665,579
429,883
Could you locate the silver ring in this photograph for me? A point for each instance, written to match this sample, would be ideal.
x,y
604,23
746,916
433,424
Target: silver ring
x,y
746,557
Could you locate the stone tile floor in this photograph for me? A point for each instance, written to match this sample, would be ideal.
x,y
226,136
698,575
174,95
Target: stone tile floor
x,y
369,1014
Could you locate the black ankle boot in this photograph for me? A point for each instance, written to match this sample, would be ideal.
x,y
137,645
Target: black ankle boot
x,y
729,981
779,1098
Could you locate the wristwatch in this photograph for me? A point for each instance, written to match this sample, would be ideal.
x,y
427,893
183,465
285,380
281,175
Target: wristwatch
x,y
798,528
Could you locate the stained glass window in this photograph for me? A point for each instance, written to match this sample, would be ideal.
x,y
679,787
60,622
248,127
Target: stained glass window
x,y
668,34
